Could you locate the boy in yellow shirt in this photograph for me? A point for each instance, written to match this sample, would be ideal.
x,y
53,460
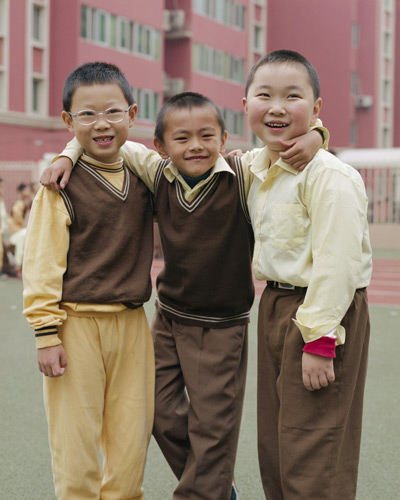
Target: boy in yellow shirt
x,y
86,275
312,247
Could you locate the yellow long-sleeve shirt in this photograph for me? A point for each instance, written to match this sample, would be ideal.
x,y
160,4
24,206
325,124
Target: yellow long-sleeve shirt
x,y
45,262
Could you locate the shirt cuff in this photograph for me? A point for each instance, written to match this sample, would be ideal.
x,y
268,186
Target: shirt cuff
x,y
47,337
324,346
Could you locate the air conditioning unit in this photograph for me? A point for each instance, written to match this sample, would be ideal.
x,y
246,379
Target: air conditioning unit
x,y
364,101
177,19
173,86
167,20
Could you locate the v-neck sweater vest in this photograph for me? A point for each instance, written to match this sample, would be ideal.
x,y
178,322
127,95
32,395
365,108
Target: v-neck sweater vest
x,y
207,245
111,239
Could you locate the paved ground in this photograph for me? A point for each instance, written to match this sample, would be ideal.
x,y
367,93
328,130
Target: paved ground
x,y
25,471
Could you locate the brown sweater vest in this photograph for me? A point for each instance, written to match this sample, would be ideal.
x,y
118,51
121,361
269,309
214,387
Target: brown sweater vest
x,y
111,239
208,245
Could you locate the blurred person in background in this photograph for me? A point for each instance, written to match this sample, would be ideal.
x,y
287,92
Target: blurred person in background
x,y
3,225
17,224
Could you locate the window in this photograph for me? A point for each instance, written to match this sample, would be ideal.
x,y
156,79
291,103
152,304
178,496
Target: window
x,y
3,16
217,63
148,103
353,133
235,69
386,88
354,35
102,27
2,90
113,31
124,33
37,95
354,83
234,121
227,12
119,32
258,38
37,23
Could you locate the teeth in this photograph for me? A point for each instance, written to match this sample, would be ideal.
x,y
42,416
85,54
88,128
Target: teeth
x,y
277,125
103,139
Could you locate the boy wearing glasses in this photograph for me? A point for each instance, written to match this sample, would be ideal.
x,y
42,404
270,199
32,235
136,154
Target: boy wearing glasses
x,y
86,276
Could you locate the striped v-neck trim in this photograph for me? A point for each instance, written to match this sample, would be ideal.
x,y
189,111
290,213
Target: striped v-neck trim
x,y
122,195
189,206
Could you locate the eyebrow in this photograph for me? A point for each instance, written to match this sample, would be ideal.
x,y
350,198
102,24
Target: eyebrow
x,y
184,131
289,87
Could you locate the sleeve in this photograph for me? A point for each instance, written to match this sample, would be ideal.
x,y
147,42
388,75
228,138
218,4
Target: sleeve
x,y
45,262
337,207
73,150
323,131
142,161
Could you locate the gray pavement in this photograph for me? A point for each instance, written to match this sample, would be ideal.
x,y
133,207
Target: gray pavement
x,y
25,469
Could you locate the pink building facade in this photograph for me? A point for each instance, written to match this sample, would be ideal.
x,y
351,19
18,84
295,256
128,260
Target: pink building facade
x,y
208,46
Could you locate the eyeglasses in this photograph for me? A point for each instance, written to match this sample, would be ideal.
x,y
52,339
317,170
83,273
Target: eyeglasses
x,y
88,116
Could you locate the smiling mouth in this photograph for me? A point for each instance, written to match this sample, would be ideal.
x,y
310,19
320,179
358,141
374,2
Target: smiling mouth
x,y
104,139
196,158
276,125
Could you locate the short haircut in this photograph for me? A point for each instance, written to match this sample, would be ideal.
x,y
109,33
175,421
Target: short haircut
x,y
185,100
95,73
286,56
21,187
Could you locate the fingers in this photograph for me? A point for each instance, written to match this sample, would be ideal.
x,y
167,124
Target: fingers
x,y
52,361
64,179
316,382
52,371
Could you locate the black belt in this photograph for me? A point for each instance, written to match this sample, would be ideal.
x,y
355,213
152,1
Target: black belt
x,y
284,286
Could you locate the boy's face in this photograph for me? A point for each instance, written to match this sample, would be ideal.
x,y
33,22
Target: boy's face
x,y
192,139
280,104
101,140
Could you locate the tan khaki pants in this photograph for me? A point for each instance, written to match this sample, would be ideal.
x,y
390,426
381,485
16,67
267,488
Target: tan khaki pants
x,y
105,399
198,430
308,442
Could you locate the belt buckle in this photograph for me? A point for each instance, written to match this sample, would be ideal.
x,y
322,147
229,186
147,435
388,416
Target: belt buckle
x,y
286,286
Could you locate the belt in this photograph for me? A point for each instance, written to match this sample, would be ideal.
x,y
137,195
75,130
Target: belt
x,y
284,286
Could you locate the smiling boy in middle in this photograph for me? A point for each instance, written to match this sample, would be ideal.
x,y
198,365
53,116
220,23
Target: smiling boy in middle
x,y
204,292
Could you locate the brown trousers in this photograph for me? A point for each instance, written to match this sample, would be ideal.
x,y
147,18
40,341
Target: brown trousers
x,y
200,384
308,442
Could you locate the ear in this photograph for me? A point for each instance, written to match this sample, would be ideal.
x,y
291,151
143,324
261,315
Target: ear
x,y
316,109
223,141
244,102
132,114
160,148
69,123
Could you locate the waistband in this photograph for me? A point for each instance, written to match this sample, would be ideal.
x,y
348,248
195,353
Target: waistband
x,y
284,286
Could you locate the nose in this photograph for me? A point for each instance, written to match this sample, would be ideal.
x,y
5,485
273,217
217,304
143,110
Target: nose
x,y
195,144
277,107
101,121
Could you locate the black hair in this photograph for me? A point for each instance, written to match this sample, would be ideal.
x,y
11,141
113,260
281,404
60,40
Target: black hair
x,y
21,187
286,56
186,100
95,73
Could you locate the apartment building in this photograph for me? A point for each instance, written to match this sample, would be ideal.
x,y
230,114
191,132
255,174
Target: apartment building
x,y
162,47
167,46
355,46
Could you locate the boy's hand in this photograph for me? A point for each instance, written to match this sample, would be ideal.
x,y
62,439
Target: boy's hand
x,y
318,371
236,152
301,150
56,175
52,361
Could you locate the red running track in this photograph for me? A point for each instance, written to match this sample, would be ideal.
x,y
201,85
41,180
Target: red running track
x,y
384,288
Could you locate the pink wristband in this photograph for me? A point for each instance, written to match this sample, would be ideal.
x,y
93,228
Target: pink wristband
x,y
324,346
